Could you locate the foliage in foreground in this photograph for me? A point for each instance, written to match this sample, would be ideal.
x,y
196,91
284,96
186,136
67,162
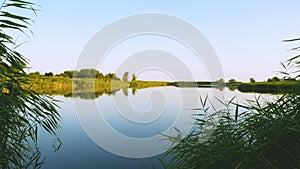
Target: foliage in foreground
x,y
21,109
265,135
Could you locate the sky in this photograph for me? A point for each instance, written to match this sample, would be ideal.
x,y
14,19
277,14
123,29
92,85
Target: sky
x,y
246,35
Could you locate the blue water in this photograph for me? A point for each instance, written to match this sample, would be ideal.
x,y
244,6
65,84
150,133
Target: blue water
x,y
80,150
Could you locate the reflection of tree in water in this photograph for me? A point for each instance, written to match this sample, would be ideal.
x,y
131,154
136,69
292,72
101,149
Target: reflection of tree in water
x,y
92,89
90,94
134,91
125,91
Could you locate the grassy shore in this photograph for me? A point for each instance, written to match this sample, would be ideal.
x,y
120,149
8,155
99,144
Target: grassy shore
x,y
139,84
280,87
57,85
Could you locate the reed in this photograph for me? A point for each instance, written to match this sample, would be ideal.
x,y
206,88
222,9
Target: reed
x,y
256,134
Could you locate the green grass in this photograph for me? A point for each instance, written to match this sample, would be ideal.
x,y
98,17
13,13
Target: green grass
x,y
260,136
76,87
57,84
281,87
139,84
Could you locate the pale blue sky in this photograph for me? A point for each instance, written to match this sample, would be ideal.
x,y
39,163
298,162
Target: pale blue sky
x,y
246,35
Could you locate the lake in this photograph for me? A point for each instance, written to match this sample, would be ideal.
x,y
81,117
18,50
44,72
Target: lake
x,y
127,129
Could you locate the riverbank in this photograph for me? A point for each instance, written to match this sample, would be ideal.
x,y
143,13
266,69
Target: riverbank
x,y
281,87
57,85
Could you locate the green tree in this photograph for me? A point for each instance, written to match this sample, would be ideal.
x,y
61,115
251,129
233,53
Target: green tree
x,y
274,79
68,73
48,74
125,77
99,75
75,73
291,79
21,109
87,73
107,78
220,81
113,76
232,81
252,80
134,77
35,74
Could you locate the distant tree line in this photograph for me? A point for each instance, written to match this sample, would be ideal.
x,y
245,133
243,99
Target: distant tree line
x,y
85,73
273,79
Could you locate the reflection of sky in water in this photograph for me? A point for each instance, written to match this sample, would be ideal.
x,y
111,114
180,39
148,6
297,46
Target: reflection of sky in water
x,y
115,124
79,151
164,105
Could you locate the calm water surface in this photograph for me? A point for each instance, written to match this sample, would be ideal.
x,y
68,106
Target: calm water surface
x,y
146,114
